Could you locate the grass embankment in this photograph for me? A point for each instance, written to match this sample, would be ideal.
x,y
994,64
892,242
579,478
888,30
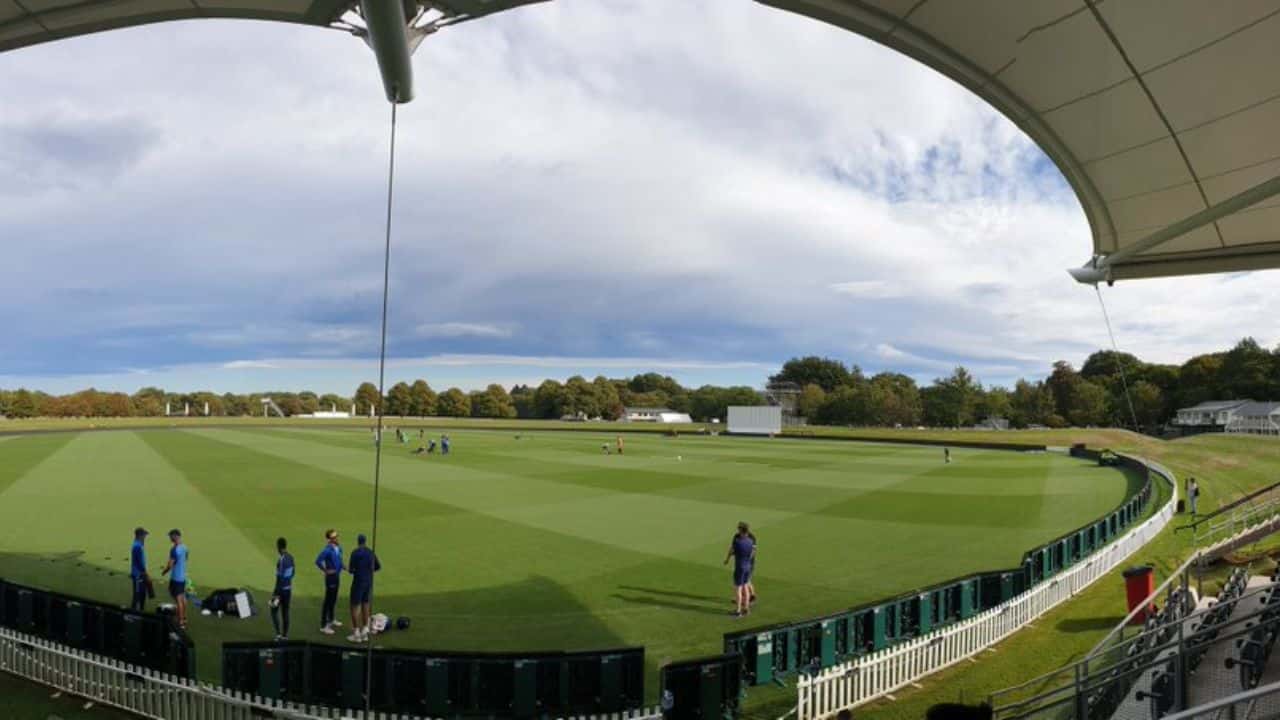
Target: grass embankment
x,y
1226,467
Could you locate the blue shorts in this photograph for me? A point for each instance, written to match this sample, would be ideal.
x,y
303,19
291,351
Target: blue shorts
x,y
741,575
360,593
177,588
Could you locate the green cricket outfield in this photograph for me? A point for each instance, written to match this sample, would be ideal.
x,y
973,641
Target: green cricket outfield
x,y
533,540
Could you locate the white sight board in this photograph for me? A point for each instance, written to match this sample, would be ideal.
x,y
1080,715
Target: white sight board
x,y
755,420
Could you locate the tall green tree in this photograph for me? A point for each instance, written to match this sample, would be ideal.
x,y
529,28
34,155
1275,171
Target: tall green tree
x,y
523,398
826,373
1148,403
1031,403
1199,380
492,402
893,399
1087,404
1062,384
810,402
367,399
24,404
1247,372
952,400
400,400
996,402
581,398
422,399
549,400
607,398
453,403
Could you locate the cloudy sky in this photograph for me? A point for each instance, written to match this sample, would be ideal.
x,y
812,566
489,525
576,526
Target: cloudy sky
x,y
702,189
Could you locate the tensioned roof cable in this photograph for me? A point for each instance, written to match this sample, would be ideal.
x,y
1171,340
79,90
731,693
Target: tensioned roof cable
x,y
1124,381
382,374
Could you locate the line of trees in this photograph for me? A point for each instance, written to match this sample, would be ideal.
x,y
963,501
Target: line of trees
x,y
576,397
830,393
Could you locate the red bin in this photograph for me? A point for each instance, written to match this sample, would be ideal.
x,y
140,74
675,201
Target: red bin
x,y
1139,584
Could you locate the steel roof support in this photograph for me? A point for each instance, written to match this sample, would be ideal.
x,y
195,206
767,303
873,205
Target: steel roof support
x,y
388,36
1099,268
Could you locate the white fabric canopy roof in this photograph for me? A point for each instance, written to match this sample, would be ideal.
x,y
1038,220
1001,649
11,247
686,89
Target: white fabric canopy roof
x,y
1154,110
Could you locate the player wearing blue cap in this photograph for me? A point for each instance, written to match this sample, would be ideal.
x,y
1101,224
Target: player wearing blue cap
x,y
362,566
138,570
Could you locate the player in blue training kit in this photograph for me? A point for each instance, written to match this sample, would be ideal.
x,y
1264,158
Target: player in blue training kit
x,y
282,595
330,563
176,569
743,553
362,567
138,570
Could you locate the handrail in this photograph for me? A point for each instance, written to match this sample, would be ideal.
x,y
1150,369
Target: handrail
x,y
1142,606
1241,697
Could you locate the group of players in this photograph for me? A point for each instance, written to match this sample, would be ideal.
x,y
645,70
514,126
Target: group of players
x,y
362,564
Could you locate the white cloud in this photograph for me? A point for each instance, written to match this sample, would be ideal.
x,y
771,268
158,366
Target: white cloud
x,y
461,329
249,364
876,289
606,193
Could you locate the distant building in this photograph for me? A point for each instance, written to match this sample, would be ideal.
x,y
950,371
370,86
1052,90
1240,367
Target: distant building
x,y
654,415
994,422
1210,416
332,413
1255,418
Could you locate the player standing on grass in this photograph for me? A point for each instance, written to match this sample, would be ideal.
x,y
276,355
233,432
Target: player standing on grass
x,y
138,570
176,569
362,567
743,552
283,593
330,563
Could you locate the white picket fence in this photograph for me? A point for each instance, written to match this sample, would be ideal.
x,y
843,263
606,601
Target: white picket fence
x,y
162,696
877,674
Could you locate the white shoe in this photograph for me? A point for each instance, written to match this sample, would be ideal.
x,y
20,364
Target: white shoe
x,y
335,623
355,638
326,630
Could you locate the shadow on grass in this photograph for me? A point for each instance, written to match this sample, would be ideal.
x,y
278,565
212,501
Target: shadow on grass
x,y
702,609
676,594
534,614
1094,624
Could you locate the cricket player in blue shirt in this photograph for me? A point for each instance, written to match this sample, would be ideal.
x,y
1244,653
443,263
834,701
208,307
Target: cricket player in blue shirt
x,y
330,563
282,595
362,567
743,553
176,569
138,570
